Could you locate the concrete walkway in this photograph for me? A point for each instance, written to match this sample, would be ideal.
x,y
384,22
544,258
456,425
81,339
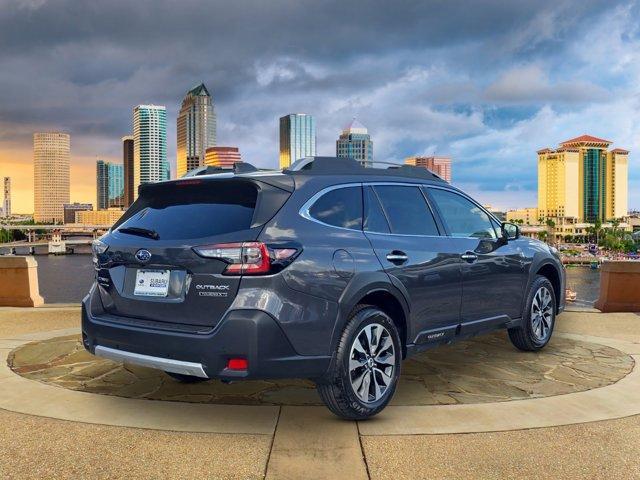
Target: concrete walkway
x,y
134,438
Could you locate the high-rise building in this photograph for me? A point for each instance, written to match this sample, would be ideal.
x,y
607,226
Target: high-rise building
x,y
195,128
102,185
70,210
355,142
223,157
127,162
7,197
441,166
582,180
51,158
109,185
297,138
149,146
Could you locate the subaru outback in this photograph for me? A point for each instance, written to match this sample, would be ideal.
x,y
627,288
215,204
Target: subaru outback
x,y
327,271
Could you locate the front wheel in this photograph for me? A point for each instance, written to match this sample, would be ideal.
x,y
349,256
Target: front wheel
x,y
366,367
538,319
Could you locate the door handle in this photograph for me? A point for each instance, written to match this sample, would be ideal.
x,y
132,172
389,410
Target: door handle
x,y
469,257
397,257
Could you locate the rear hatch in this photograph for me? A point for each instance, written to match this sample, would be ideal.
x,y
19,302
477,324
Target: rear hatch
x,y
150,270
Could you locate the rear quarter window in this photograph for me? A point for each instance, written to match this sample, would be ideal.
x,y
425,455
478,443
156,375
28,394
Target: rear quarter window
x,y
341,207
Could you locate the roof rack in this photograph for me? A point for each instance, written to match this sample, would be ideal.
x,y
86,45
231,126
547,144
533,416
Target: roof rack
x,y
238,167
350,166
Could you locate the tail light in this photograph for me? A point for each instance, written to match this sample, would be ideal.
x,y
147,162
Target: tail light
x,y
249,258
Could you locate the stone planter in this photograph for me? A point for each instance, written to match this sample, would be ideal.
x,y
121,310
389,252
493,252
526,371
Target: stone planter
x,y
19,282
619,287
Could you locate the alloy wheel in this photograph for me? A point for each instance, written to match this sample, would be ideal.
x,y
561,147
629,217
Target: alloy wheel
x,y
542,314
372,362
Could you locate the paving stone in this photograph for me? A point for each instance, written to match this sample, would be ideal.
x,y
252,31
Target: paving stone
x,y
486,369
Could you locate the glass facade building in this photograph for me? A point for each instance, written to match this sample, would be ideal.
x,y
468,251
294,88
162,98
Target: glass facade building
x,y
150,163
297,138
355,142
195,128
582,180
109,185
127,162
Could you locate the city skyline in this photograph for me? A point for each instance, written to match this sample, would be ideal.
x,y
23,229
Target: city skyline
x,y
488,94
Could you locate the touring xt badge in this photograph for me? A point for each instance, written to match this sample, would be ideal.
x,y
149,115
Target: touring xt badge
x,y
212,290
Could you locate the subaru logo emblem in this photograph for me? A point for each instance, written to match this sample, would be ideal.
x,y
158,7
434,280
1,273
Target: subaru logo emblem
x,y
143,255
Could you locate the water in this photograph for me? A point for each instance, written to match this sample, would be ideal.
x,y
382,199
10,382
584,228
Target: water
x,y
64,278
586,283
67,278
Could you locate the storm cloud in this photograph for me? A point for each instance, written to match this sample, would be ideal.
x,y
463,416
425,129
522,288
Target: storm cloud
x,y
487,82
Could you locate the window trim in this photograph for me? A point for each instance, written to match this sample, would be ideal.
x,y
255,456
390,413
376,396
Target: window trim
x,y
304,210
467,197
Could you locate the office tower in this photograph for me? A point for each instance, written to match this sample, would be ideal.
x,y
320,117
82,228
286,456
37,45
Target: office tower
x,y
70,210
582,180
149,146
223,157
355,142
51,157
102,185
127,162
7,197
195,128
441,166
297,138
109,185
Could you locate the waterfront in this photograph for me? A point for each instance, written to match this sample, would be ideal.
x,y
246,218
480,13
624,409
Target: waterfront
x,y
67,278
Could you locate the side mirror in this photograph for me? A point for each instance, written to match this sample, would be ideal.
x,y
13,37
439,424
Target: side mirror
x,y
510,231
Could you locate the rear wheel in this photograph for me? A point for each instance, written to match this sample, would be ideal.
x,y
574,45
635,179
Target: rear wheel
x,y
186,378
538,319
366,366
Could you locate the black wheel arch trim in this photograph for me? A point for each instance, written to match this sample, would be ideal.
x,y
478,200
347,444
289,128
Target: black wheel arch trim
x,y
361,285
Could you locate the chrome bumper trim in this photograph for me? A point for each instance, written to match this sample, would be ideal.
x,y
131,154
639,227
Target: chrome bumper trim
x,y
166,364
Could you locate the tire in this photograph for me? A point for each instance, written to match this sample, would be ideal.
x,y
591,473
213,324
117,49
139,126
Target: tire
x,y
186,378
538,317
359,384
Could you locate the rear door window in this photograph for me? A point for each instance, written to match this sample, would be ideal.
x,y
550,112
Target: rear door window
x,y
406,209
374,219
187,211
341,207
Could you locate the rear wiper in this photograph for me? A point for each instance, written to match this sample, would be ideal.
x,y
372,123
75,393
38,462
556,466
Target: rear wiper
x,y
141,232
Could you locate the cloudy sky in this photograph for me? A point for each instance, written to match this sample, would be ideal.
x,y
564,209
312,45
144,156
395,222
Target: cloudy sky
x,y
486,82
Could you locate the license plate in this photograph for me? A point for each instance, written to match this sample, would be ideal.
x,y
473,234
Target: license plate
x,y
152,283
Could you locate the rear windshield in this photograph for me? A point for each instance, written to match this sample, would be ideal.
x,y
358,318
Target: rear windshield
x,y
176,211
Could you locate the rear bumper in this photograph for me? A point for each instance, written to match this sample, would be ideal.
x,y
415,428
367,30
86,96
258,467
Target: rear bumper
x,y
250,334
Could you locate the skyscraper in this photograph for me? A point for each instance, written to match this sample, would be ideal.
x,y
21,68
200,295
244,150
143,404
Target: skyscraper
x,y
223,157
582,180
149,146
51,157
109,185
297,138
441,166
196,129
355,142
7,196
127,162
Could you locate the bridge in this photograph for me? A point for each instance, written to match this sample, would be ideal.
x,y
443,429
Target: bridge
x,y
68,227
